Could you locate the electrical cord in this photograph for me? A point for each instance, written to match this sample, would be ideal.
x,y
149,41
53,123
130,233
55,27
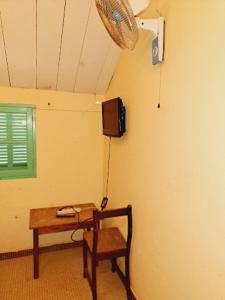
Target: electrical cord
x,y
108,165
103,205
79,228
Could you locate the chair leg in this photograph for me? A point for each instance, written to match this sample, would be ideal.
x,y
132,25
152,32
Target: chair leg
x,y
84,259
113,261
93,279
127,276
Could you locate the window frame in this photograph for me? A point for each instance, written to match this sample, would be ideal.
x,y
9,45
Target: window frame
x,y
30,170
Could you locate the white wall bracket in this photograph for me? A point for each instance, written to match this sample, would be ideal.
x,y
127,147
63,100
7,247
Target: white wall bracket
x,y
138,5
156,26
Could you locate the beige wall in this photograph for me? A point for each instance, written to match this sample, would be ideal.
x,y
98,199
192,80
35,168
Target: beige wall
x,y
69,163
170,165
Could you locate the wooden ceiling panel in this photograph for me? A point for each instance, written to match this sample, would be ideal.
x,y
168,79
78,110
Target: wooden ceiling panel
x,y
49,29
108,68
18,19
76,18
4,78
96,46
55,44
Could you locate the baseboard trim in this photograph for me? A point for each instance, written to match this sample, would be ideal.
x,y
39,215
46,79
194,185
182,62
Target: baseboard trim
x,y
26,252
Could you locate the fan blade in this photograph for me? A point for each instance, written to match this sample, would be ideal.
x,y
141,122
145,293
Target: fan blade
x,y
119,21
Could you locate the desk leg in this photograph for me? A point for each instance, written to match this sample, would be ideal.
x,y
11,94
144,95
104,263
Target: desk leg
x,y
36,252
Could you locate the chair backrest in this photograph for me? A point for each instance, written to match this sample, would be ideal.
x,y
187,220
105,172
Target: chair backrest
x,y
112,213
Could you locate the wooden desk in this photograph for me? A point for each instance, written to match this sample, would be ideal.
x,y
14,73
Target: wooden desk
x,y
44,220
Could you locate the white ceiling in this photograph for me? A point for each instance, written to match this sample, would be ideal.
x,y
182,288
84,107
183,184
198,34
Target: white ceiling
x,y
55,44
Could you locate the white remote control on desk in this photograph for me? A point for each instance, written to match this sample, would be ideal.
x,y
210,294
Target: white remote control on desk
x,y
68,211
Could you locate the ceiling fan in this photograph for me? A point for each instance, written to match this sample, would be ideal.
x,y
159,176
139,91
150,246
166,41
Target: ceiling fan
x,y
120,20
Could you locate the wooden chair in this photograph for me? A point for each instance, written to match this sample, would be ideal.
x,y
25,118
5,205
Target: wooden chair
x,y
108,243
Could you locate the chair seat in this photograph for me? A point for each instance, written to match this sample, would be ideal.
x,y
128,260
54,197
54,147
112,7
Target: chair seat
x,y
109,240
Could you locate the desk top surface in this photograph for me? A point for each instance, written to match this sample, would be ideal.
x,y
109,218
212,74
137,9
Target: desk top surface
x,y
46,217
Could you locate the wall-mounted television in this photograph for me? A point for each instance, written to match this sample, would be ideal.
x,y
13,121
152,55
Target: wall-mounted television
x,y
113,117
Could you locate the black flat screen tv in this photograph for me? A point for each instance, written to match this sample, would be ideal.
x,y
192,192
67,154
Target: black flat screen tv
x,y
113,117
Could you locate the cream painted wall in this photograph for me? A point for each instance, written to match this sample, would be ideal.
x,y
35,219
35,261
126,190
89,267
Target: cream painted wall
x,y
170,165
69,163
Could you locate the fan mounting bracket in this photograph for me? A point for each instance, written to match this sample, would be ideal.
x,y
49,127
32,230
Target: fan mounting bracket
x,y
156,26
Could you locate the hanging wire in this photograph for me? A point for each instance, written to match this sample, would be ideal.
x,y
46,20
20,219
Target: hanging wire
x,y
107,179
160,86
68,110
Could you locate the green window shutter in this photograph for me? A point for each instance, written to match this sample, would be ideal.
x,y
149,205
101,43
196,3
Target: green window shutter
x,y
17,141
